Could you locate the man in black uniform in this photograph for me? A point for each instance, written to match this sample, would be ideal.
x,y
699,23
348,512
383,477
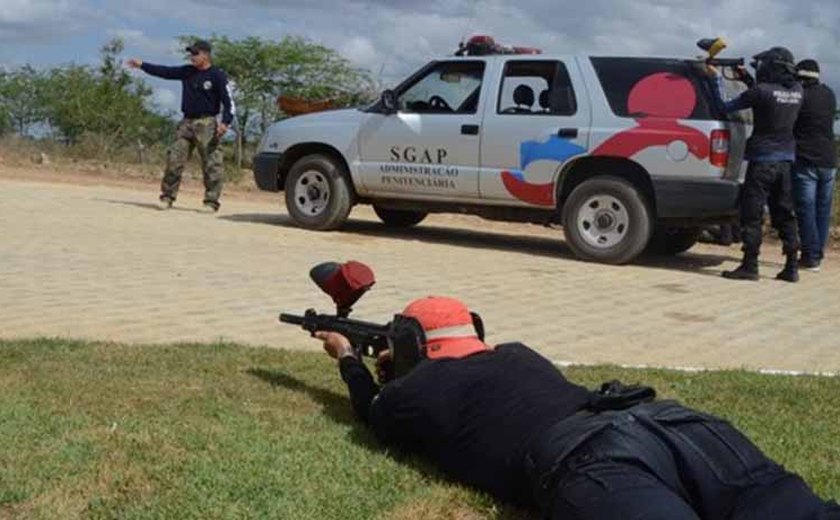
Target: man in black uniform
x,y
205,93
816,162
507,421
775,101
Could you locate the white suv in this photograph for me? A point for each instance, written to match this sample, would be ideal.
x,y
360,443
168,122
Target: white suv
x,y
625,153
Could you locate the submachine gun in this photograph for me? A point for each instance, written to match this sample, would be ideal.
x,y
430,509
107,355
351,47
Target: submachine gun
x,y
733,68
345,284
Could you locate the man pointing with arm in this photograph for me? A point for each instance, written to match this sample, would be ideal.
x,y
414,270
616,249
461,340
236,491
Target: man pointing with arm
x,y
205,93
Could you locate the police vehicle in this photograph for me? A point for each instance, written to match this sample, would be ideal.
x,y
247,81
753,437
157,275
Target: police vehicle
x,y
625,153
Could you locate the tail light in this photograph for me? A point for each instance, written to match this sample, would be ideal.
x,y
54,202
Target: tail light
x,y
719,144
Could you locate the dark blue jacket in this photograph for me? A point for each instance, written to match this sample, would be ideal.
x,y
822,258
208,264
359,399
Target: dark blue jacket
x,y
204,92
775,109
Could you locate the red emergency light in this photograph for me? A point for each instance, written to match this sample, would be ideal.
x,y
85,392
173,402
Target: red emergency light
x,y
483,45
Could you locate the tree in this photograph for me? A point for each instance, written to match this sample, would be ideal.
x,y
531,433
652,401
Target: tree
x,y
5,124
105,102
21,100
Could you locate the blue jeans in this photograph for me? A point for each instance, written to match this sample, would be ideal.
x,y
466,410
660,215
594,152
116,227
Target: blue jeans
x,y
813,190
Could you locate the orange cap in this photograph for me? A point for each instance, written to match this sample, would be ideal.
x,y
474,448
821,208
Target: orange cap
x,y
448,326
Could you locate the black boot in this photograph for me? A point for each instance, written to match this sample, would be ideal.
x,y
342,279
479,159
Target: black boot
x,y
748,270
791,271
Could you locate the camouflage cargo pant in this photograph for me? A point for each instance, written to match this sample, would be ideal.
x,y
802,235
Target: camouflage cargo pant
x,y
199,135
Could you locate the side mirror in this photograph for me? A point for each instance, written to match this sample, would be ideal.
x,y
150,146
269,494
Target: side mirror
x,y
389,101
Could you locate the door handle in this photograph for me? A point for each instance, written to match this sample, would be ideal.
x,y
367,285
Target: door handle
x,y
469,129
568,133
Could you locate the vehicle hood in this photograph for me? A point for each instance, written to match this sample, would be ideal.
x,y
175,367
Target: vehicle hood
x,y
336,128
347,116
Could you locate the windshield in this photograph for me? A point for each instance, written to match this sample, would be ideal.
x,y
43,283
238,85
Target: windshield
x,y
448,87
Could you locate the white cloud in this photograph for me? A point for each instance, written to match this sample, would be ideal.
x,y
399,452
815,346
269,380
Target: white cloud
x,y
137,42
43,21
166,99
361,51
400,35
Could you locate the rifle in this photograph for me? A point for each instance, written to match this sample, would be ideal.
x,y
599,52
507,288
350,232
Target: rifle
x,y
368,339
713,47
345,284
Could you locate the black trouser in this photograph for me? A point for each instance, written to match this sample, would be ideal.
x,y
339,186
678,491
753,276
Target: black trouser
x,y
768,183
664,461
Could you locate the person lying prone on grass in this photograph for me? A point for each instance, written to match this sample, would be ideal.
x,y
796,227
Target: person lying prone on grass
x,y
506,420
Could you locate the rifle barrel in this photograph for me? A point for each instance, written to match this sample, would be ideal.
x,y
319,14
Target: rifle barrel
x,y
726,62
291,318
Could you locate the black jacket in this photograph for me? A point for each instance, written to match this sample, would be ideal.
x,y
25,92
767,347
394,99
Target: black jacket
x,y
204,93
775,108
814,130
473,417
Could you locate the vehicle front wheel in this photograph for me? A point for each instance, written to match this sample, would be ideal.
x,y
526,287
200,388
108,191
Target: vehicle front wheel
x,y
606,219
318,193
399,218
669,241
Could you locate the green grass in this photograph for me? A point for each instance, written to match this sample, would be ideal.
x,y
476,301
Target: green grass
x,y
220,431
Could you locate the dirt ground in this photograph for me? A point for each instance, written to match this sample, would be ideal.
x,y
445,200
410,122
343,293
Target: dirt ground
x,y
86,254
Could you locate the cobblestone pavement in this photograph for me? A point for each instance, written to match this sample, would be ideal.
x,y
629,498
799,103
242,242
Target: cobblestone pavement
x,y
101,262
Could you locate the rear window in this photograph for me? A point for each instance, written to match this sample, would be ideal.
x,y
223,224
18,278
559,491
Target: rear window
x,y
642,87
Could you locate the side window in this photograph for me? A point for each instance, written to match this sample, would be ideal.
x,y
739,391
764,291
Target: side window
x,y
448,88
537,87
646,87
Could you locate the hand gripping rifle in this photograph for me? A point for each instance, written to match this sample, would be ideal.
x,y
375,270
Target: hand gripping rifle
x,y
345,284
713,47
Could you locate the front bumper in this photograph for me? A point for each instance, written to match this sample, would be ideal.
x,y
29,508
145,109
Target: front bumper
x,y
706,200
267,170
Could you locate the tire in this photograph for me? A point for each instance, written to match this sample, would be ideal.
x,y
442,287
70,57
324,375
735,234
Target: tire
x,y
670,241
607,220
399,218
318,193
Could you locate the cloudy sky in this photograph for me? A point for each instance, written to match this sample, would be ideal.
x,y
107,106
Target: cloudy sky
x,y
393,37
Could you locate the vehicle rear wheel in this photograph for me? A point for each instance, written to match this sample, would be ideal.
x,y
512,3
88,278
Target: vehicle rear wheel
x,y
399,218
669,241
606,219
318,193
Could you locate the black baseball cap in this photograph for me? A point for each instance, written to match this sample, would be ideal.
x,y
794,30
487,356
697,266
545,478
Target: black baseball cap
x,y
780,54
200,46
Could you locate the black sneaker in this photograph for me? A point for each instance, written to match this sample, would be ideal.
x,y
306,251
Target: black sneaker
x,y
789,274
811,265
209,207
164,204
741,273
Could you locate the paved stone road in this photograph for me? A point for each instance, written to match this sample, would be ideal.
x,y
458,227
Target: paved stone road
x,y
100,262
